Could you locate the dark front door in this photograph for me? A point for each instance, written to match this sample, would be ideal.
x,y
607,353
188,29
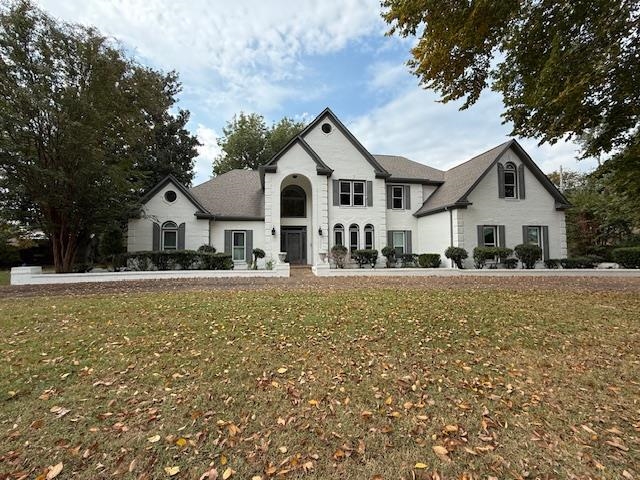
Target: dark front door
x,y
294,242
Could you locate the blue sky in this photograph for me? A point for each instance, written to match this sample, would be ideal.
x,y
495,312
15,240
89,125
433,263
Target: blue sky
x,y
285,58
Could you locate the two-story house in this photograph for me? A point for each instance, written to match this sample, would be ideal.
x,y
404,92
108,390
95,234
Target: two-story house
x,y
324,188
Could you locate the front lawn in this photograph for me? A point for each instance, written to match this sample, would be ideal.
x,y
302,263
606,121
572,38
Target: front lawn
x,y
4,277
353,384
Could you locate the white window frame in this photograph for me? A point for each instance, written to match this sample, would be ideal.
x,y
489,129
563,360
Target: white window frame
x,y
234,246
510,168
350,190
396,245
169,227
338,228
494,228
369,230
394,197
538,229
354,228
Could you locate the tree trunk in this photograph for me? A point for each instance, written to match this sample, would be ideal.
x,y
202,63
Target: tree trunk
x,y
64,251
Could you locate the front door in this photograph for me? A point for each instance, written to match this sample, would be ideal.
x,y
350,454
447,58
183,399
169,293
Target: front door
x,y
294,242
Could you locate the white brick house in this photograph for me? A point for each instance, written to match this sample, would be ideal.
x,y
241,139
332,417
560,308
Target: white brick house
x,y
325,188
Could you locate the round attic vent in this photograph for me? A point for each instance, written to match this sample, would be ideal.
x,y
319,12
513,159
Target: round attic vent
x,y
170,196
326,127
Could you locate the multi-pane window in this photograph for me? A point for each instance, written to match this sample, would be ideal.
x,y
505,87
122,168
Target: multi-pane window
x,y
338,234
399,242
510,181
490,236
169,236
293,202
239,242
533,236
354,239
397,197
368,237
352,193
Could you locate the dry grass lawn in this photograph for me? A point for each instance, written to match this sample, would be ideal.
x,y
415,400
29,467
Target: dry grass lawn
x,y
367,383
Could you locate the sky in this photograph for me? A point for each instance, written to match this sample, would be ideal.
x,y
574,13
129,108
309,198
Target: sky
x,y
285,58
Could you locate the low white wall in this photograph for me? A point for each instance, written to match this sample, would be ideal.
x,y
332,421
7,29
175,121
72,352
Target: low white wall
x,y
454,272
34,275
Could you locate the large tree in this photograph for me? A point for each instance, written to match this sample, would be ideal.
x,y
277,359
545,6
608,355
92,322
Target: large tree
x,y
565,68
247,141
76,115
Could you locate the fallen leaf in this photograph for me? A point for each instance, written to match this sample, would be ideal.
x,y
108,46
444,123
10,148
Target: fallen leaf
x,y
54,471
223,460
441,452
420,465
283,449
181,442
154,439
282,370
209,475
171,471
227,473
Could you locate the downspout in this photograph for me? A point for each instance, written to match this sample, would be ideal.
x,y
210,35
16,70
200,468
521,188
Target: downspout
x,y
450,230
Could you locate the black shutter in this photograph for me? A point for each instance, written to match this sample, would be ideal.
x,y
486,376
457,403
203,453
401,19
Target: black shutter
x,y
389,238
480,235
501,236
521,181
227,241
407,241
524,234
545,243
248,239
156,237
389,197
369,193
181,233
407,197
336,193
500,181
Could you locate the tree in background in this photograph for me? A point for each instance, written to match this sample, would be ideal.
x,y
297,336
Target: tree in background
x,y
76,119
247,142
567,68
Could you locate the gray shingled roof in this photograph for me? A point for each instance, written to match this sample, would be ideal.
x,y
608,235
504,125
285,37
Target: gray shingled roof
x,y
459,180
236,194
402,167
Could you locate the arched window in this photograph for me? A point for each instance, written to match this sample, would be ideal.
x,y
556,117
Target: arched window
x,y
510,181
169,236
354,237
338,234
293,202
368,236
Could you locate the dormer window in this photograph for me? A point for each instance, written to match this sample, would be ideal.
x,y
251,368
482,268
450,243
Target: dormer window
x,y
510,181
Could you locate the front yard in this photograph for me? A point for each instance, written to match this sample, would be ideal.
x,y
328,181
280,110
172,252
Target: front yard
x,y
322,383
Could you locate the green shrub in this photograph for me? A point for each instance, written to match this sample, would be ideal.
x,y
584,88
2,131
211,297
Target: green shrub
x,y
216,261
552,263
409,260
429,260
390,254
82,267
627,257
185,258
206,249
457,254
528,254
365,257
339,255
482,254
586,261
168,260
510,263
503,253
257,253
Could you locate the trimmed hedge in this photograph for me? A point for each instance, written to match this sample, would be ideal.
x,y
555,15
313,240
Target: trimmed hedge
x,y
482,254
365,257
429,260
390,254
627,257
171,260
409,260
339,255
457,254
587,261
528,254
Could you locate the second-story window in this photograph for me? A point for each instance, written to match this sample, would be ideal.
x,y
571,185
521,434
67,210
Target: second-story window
x,y
510,181
397,197
352,193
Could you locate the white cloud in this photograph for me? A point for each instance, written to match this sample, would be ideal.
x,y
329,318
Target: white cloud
x,y
207,152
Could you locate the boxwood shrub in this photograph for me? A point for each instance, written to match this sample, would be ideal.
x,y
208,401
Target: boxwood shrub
x,y
409,260
627,257
587,261
390,254
171,260
365,257
457,254
528,254
429,260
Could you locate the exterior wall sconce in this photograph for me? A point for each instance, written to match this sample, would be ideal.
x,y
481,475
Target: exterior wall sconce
x,y
273,231
320,231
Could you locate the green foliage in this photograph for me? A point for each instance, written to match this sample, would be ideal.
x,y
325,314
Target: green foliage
x,y
365,257
269,264
247,142
170,260
564,68
627,257
9,254
257,253
552,263
339,255
587,261
510,263
528,254
206,249
111,243
429,260
457,254
77,116
390,254
482,254
409,260
82,267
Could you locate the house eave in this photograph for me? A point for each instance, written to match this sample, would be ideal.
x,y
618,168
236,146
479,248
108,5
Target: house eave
x,y
418,181
444,208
